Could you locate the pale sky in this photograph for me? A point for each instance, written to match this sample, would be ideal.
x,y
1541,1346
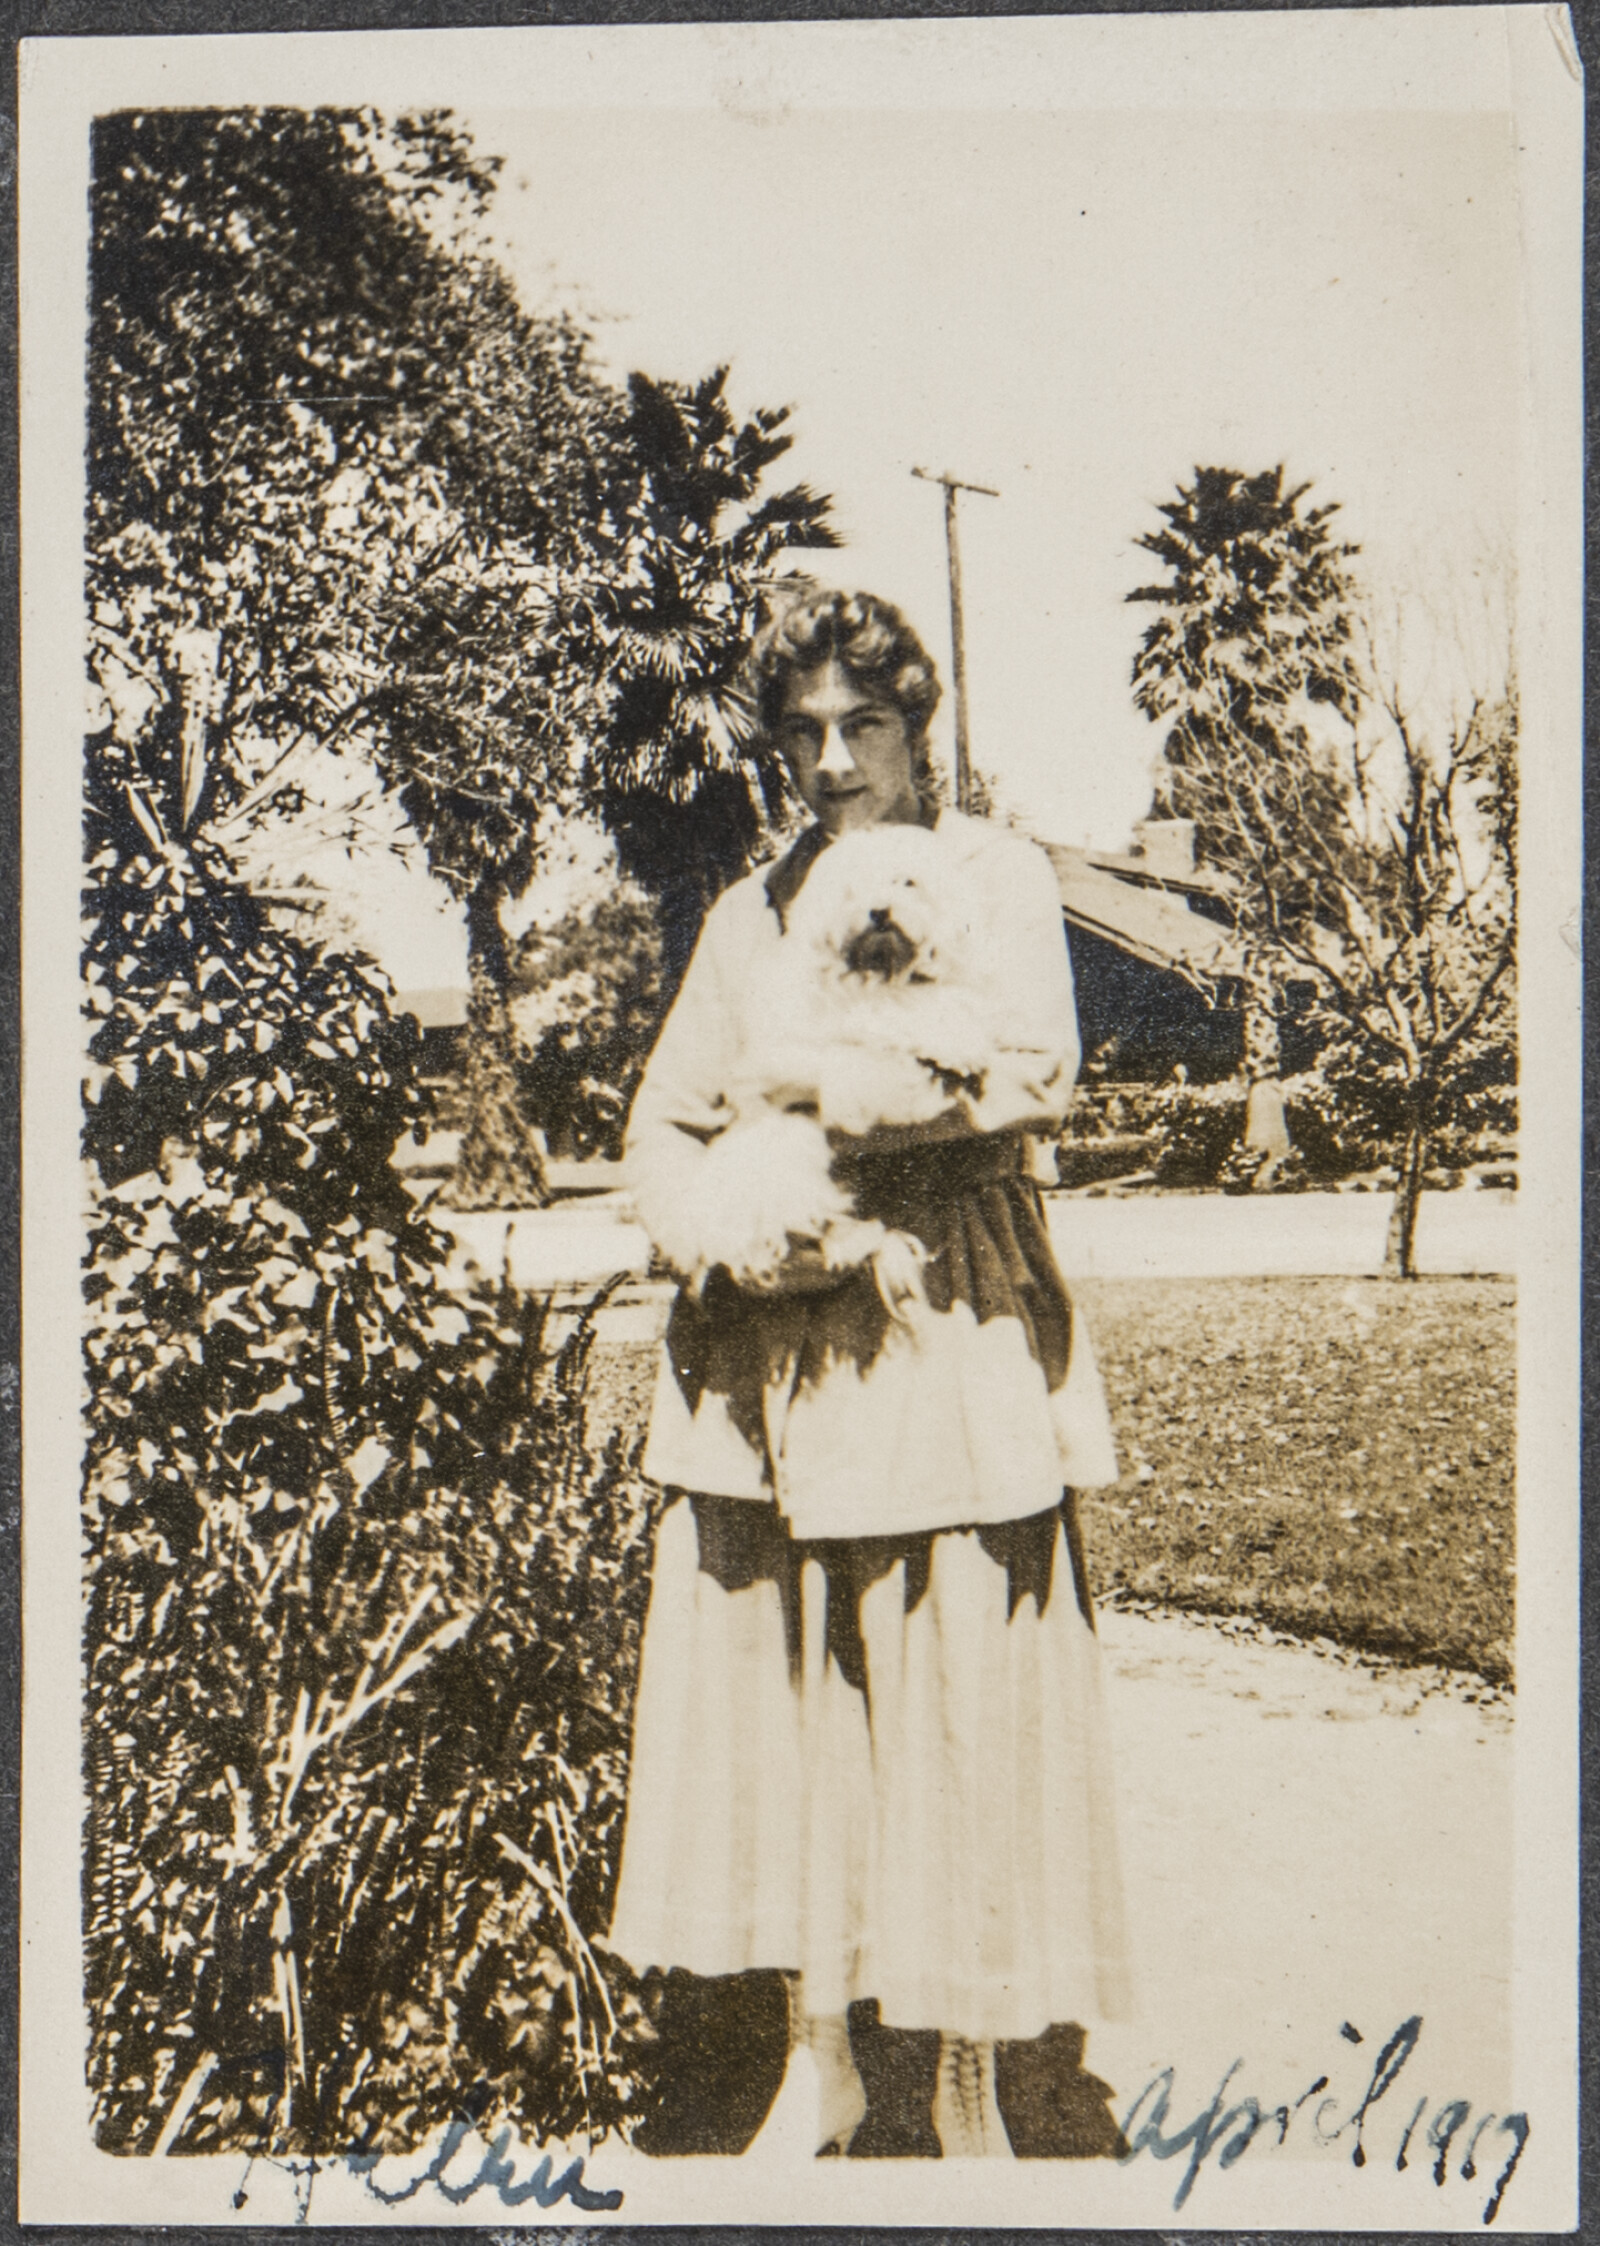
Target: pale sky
x,y
1075,308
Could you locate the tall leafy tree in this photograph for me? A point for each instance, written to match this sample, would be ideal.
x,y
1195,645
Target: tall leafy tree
x,y
313,409
337,474
347,494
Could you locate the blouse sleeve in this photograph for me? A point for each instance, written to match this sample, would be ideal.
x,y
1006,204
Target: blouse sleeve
x,y
1030,973
690,1071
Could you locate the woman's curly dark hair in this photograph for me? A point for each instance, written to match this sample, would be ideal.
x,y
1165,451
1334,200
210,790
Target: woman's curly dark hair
x,y
870,640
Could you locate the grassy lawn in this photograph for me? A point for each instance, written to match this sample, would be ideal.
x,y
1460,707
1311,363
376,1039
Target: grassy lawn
x,y
1333,1457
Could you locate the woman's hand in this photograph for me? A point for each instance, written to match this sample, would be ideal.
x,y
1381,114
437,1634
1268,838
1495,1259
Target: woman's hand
x,y
812,1265
897,1268
849,1241
803,1271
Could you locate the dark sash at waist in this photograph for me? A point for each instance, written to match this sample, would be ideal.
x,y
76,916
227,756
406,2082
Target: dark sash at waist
x,y
975,1210
898,1171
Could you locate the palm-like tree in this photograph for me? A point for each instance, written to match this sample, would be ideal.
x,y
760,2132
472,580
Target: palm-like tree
x,y
624,701
679,775
1256,622
1256,626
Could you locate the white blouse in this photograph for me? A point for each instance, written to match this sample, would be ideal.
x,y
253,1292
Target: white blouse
x,y
953,1421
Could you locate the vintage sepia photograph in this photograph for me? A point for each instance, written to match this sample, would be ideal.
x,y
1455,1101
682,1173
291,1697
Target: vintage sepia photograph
x,y
801,837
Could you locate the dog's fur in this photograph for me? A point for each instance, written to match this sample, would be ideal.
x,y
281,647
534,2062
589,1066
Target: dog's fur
x,y
742,1198
884,1009
876,1020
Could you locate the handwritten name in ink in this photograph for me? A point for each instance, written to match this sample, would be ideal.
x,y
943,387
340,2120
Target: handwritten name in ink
x,y
1233,2122
496,2173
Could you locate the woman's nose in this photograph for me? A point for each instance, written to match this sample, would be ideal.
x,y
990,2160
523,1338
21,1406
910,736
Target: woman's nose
x,y
834,759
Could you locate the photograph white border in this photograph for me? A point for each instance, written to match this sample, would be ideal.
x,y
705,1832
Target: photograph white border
x,y
1520,61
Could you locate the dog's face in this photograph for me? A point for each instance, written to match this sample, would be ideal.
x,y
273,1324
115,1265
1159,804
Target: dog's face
x,y
877,907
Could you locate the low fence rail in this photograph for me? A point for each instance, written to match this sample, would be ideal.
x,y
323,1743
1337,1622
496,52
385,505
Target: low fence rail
x,y
585,1240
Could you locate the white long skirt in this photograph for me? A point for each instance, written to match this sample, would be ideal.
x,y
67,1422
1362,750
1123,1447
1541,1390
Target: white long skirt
x,y
908,1801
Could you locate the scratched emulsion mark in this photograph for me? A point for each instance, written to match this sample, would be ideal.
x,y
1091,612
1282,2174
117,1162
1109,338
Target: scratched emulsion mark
x,y
1232,2123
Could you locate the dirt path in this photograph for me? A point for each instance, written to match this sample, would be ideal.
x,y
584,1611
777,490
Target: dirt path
x,y
1307,1842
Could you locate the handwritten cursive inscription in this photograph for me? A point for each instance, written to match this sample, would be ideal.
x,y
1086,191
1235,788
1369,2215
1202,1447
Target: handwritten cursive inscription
x,y
495,2173
1230,2124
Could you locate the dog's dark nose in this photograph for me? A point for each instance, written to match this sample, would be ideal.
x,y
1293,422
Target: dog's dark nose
x,y
880,949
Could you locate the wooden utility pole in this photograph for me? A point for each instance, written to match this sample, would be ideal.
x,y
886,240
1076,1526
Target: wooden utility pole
x,y
958,651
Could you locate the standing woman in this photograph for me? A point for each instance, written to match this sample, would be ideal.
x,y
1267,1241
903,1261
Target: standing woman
x,y
869,1749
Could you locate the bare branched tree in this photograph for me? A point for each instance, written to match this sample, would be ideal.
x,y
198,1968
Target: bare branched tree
x,y
1374,858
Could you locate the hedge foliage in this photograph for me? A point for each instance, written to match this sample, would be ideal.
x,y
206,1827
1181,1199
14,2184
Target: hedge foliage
x,y
589,998
1344,1121
362,1604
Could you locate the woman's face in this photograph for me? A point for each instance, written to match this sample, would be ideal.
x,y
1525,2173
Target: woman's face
x,y
848,752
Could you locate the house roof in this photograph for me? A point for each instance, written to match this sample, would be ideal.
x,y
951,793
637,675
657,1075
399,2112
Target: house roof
x,y
1155,925
1131,865
1122,907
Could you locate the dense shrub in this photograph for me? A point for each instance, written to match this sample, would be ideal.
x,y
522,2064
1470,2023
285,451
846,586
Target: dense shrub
x,y
588,998
1348,1117
1173,1134
361,1602
1345,1121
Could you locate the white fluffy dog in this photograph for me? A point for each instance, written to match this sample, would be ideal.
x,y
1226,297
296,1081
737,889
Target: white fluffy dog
x,y
741,1192
885,1014
873,1025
